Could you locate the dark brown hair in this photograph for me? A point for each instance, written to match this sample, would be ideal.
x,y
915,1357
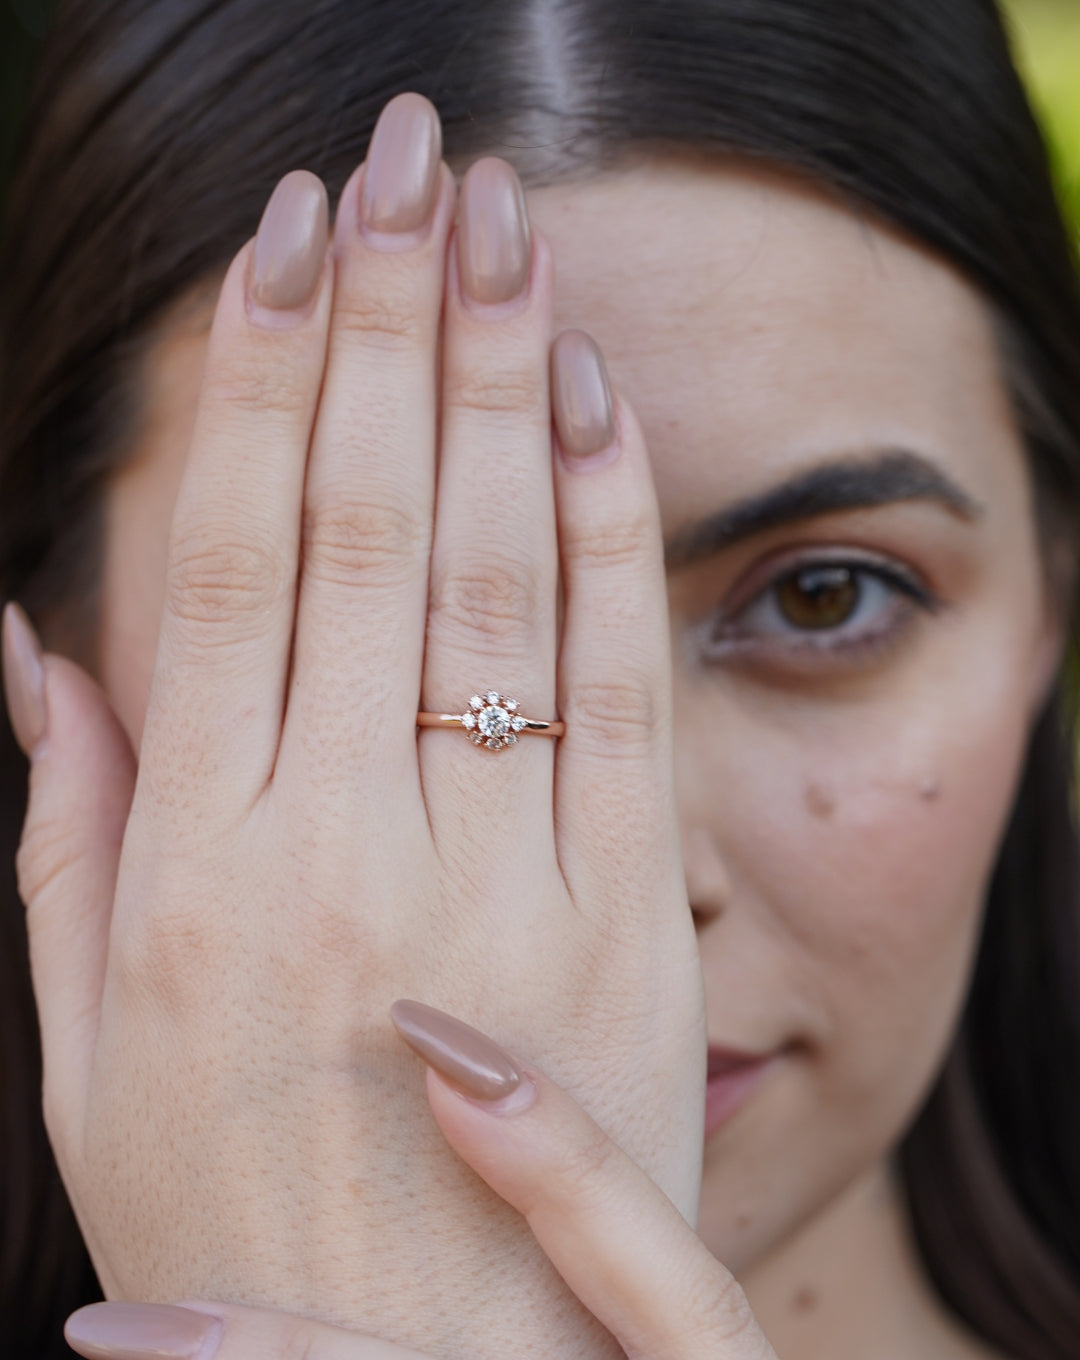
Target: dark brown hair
x,y
158,129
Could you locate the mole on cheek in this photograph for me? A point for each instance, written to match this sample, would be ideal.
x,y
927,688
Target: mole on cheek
x,y
930,790
820,802
805,1301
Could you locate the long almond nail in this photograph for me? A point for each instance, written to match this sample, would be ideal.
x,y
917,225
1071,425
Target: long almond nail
x,y
581,395
133,1331
291,243
493,242
402,173
467,1059
24,679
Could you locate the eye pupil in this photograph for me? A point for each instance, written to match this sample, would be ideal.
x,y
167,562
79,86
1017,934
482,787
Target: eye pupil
x,y
819,597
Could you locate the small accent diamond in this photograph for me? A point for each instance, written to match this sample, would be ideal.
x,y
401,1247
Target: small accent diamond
x,y
511,704
494,744
517,724
510,739
476,738
492,697
476,702
468,720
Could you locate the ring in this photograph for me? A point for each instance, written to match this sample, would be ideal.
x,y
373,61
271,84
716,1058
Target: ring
x,y
492,721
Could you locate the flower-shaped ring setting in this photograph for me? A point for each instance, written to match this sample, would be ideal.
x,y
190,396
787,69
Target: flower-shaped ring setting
x,y
492,721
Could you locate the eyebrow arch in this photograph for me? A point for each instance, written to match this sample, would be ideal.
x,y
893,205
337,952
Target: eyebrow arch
x,y
851,484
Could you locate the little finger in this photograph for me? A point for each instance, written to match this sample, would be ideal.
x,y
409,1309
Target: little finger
x,y
615,767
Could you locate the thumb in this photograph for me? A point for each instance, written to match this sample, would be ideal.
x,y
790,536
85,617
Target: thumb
x,y
82,777
215,1331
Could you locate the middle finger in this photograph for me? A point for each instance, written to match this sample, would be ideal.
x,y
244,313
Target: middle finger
x,y
370,484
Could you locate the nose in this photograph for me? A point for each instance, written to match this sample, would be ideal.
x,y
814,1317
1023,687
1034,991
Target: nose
x,y
707,883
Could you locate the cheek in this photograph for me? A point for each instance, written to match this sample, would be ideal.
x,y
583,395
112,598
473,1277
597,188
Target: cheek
x,y
860,847
857,845
133,597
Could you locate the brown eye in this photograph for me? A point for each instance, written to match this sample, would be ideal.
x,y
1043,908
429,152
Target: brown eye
x,y
818,597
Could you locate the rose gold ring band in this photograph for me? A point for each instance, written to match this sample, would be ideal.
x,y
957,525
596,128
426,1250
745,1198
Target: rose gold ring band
x,y
493,721
543,729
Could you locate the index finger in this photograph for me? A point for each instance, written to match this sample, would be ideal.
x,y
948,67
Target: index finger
x,y
610,1232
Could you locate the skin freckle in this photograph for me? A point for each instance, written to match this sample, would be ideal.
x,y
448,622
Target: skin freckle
x,y
805,1300
930,790
819,801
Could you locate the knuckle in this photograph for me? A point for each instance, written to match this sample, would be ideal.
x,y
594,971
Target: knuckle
x,y
387,318
509,391
493,600
717,1310
620,715
45,854
626,544
302,1341
335,935
212,581
259,381
346,539
581,1170
166,957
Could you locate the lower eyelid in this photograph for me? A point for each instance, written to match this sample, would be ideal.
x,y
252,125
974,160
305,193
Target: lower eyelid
x,y
842,641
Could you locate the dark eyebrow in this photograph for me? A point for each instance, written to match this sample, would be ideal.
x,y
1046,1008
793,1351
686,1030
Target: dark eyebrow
x,y
851,484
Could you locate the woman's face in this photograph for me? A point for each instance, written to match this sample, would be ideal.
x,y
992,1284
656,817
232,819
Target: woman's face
x,y
860,633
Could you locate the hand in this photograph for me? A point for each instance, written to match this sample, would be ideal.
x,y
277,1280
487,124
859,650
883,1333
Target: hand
x,y
214,946
618,1242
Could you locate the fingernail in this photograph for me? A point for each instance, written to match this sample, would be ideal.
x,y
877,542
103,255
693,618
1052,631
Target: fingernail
x,y
133,1331
581,395
24,679
291,243
467,1059
493,243
402,172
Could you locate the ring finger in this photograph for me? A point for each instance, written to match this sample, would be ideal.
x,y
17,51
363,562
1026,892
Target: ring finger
x,y
494,570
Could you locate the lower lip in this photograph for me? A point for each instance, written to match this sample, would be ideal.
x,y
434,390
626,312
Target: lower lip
x,y
727,1091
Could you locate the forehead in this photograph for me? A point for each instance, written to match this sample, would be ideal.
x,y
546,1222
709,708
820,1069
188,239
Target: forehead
x,y
757,323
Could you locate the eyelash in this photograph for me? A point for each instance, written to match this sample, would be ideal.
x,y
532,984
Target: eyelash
x,y
727,637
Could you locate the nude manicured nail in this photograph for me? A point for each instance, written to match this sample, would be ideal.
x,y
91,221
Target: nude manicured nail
x,y
581,395
291,243
467,1059
133,1331
493,242
24,679
401,178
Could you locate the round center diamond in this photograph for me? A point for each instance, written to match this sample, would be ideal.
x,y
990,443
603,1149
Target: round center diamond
x,y
493,721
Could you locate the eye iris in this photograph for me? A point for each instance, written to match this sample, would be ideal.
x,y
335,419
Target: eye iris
x,y
818,597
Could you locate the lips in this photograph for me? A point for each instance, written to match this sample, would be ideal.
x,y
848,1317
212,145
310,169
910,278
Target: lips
x,y
732,1077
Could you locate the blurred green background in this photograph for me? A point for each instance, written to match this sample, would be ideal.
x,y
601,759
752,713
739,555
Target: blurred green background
x,y
1047,42
1047,34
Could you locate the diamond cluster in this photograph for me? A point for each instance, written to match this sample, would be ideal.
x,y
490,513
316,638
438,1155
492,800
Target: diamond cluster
x,y
492,720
